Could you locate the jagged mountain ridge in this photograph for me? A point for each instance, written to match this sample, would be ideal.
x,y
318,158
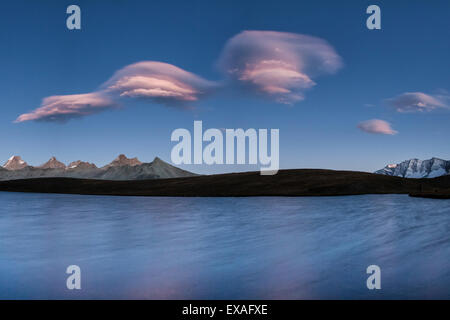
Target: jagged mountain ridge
x,y
122,160
415,168
124,169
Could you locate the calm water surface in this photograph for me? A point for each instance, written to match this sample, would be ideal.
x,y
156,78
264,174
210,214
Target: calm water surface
x,y
222,248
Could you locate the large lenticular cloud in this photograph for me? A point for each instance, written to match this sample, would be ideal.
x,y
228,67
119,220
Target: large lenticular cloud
x,y
155,81
158,81
66,107
280,65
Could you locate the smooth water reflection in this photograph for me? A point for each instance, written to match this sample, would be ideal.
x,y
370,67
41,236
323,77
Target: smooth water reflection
x,y
223,248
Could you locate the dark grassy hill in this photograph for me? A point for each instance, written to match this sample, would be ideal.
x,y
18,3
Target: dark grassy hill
x,y
301,182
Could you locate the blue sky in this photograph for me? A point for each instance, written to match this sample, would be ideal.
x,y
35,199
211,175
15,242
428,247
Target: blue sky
x,y
40,57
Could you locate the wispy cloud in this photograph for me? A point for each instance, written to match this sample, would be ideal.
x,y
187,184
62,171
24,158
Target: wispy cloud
x,y
280,65
377,126
63,108
156,81
417,102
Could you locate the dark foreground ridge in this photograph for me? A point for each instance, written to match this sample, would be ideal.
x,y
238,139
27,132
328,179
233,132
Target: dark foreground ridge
x,y
299,182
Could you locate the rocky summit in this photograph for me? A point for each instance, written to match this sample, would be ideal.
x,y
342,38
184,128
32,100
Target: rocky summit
x,y
15,163
53,164
122,160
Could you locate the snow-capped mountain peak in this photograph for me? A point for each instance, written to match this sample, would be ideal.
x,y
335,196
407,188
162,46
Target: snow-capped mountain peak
x,y
415,168
15,163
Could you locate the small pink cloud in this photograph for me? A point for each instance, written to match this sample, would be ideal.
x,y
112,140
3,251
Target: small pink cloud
x,y
377,126
280,65
416,102
158,81
63,108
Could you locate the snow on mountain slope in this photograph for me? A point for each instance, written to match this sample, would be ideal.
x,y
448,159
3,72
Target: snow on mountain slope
x,y
15,163
415,168
81,165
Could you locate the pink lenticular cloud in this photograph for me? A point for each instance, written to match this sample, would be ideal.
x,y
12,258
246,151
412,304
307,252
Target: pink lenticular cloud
x,y
156,81
162,82
377,126
278,64
63,108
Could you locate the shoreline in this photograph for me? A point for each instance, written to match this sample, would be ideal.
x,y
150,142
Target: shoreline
x,y
430,195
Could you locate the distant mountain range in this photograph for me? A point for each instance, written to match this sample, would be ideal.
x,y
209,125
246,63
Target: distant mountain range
x,y
416,168
121,168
